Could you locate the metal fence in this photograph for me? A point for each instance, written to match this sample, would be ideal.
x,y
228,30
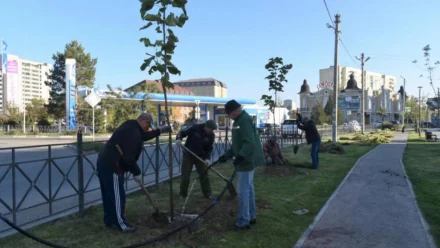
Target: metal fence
x,y
45,182
35,129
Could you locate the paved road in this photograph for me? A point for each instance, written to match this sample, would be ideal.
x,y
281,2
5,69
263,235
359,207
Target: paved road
x,y
374,207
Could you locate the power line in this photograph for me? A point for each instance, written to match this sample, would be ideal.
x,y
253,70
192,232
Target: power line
x,y
328,11
348,53
343,44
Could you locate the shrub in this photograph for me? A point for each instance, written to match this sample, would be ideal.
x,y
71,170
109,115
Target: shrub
x,y
387,125
43,122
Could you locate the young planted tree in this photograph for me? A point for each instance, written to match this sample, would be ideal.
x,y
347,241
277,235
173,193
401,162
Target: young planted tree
x,y
430,68
161,61
277,77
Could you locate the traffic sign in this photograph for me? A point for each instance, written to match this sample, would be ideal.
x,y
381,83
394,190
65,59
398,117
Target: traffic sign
x,y
92,99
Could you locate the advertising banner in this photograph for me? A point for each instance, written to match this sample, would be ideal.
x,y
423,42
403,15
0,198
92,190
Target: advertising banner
x,y
349,102
4,56
71,93
12,93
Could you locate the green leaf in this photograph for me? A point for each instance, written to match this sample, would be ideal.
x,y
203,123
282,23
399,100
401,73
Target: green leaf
x,y
146,6
158,30
170,20
173,70
147,63
152,18
146,42
181,20
179,3
146,26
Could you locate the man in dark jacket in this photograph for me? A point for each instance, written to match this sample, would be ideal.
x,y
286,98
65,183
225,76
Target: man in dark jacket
x,y
248,153
200,141
112,166
312,137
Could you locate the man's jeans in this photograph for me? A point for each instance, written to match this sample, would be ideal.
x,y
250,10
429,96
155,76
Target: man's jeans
x,y
246,198
315,153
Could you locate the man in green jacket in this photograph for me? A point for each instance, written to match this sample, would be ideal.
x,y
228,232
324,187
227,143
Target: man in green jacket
x,y
247,150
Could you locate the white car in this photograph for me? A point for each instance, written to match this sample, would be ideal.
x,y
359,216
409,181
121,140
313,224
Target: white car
x,y
352,126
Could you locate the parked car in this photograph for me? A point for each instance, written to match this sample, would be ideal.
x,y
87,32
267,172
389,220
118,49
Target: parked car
x,y
290,128
377,124
269,128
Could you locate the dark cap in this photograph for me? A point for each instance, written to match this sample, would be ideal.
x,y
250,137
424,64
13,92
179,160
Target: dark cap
x,y
231,106
211,124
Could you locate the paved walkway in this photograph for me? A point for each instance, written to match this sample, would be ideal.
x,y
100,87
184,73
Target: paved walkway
x,y
373,207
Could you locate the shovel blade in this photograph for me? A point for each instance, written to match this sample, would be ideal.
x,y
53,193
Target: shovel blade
x,y
232,190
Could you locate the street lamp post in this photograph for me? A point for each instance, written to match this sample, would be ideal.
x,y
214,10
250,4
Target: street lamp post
x,y
418,123
335,79
404,100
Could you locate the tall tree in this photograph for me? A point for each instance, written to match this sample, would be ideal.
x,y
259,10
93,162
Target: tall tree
x,y
56,81
13,115
277,77
329,106
164,20
85,64
318,114
35,111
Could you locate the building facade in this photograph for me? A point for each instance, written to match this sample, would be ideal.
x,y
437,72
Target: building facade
x,y
381,100
205,87
22,81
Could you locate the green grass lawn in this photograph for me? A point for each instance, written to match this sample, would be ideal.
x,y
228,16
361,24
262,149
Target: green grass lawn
x,y
278,192
422,163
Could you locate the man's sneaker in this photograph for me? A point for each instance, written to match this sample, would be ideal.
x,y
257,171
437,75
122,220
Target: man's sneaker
x,y
241,228
128,229
253,222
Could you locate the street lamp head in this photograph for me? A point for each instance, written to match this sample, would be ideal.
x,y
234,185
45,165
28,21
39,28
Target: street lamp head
x,y
330,26
367,59
420,87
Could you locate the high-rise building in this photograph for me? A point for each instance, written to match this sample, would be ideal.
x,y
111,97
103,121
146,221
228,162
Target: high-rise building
x,y
22,81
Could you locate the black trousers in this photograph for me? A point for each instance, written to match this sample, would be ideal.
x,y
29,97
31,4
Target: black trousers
x,y
113,196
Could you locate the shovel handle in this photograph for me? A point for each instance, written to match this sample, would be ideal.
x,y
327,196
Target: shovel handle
x,y
140,184
192,153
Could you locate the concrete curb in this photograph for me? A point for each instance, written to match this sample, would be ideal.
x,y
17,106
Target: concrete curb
x,y
306,234
422,219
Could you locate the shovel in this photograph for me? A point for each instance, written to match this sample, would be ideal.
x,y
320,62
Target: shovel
x,y
231,187
296,147
157,215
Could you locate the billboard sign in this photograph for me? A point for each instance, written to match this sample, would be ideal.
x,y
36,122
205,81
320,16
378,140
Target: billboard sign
x,y
349,102
4,56
12,93
71,93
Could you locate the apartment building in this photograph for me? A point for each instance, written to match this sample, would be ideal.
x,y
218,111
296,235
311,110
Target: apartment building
x,y
22,81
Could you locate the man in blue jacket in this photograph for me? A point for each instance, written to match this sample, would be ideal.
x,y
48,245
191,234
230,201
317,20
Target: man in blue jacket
x,y
111,166
200,141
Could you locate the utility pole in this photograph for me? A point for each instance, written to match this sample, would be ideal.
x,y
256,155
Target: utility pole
x,y
335,79
420,101
404,100
363,60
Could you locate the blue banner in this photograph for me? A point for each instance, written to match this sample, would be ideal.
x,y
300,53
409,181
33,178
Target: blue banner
x,y
71,94
4,54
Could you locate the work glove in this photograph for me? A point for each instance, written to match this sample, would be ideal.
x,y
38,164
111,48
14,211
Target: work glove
x,y
222,159
207,162
166,129
138,178
238,160
178,142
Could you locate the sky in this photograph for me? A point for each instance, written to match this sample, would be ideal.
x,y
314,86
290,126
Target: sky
x,y
232,40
